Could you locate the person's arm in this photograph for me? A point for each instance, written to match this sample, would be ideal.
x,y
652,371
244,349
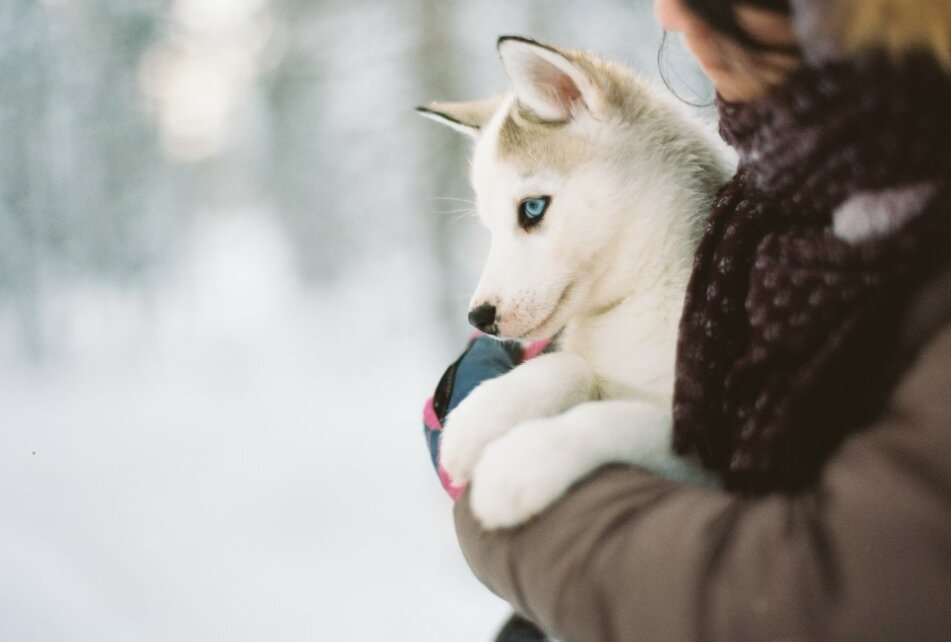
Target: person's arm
x,y
866,556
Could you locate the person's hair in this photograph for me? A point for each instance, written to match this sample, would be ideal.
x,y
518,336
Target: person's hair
x,y
720,15
899,27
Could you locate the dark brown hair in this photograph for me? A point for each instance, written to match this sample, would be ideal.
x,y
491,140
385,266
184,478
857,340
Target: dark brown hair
x,y
720,15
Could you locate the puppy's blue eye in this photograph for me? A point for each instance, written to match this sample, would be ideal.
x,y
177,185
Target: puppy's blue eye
x,y
535,208
531,210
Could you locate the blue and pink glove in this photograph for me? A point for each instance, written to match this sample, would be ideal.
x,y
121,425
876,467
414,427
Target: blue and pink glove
x,y
483,359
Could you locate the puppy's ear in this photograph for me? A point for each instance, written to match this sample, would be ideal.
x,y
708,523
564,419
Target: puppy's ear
x,y
468,118
547,81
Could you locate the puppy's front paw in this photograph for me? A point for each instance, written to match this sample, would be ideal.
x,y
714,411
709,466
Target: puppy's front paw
x,y
462,443
470,427
524,472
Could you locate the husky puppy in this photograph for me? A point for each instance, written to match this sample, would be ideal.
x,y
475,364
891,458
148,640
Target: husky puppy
x,y
594,189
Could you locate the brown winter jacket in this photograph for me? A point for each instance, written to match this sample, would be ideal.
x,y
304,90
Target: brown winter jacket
x,y
865,555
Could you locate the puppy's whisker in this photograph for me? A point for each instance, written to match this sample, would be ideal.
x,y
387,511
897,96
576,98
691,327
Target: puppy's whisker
x,y
460,214
453,198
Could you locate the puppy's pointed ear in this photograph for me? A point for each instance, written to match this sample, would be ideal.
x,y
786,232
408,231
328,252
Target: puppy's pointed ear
x,y
547,81
468,118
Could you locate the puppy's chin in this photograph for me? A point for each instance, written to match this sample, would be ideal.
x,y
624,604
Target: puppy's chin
x,y
561,312
520,335
534,327
542,326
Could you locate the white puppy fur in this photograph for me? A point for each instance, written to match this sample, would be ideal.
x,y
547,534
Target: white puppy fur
x,y
629,177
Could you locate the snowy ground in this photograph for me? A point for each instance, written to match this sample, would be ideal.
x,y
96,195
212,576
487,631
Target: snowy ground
x,y
233,458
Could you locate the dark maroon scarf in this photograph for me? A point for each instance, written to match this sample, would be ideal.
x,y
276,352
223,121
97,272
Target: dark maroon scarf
x,y
788,338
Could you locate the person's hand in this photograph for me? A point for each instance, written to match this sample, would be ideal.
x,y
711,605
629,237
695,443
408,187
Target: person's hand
x,y
483,359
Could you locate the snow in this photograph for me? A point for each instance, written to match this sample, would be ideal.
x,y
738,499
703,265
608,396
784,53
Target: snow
x,y
243,460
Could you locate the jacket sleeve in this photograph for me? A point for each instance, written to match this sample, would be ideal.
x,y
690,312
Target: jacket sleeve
x,y
867,555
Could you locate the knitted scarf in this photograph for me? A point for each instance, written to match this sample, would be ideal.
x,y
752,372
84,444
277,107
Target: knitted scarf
x,y
839,209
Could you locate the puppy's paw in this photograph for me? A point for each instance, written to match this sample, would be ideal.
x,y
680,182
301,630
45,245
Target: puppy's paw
x,y
462,444
523,473
469,429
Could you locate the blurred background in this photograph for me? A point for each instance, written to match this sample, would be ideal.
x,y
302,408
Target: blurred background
x,y
233,263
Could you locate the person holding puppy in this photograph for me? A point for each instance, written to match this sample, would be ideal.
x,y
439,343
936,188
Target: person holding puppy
x,y
813,365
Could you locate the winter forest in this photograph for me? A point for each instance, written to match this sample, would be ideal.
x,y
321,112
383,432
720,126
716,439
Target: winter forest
x,y
233,263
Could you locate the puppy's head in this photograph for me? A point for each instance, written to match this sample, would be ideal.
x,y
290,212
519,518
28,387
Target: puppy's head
x,y
549,183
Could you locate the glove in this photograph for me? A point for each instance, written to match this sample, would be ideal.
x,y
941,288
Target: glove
x,y
483,359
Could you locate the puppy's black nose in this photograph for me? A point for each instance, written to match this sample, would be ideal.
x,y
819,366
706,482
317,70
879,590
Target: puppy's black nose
x,y
483,317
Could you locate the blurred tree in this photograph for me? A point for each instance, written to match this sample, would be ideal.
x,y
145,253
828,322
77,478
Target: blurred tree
x,y
303,171
437,70
84,189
